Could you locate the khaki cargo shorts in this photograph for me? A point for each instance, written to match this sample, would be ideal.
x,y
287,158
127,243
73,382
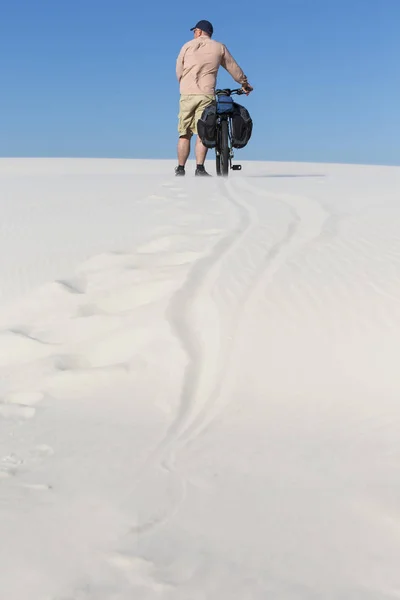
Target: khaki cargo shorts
x,y
191,108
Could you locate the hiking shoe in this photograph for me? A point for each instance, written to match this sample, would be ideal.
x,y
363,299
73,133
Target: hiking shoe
x,y
200,170
180,171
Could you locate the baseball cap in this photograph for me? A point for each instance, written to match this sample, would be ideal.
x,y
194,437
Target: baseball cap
x,y
204,26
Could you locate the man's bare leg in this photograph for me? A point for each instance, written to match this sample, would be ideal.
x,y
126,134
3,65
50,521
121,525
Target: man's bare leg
x,y
201,152
183,149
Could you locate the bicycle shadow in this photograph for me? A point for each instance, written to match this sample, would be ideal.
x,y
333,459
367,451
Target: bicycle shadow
x,y
289,175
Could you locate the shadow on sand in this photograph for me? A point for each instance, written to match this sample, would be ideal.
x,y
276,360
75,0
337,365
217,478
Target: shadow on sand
x,y
289,175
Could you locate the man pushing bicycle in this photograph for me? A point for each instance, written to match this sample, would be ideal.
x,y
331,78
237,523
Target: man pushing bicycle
x,y
196,69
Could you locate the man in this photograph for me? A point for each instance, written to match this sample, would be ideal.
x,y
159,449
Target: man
x,y
196,69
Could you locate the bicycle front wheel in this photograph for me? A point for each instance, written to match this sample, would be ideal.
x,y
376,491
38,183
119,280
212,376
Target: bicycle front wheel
x,y
224,148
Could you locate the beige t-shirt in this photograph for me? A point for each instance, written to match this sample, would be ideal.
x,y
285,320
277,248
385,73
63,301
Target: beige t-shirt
x,y
198,63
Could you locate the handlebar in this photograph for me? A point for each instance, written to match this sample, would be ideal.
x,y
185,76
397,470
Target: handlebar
x,y
228,92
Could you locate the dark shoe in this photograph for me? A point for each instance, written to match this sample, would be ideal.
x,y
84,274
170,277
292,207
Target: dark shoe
x,y
180,171
200,170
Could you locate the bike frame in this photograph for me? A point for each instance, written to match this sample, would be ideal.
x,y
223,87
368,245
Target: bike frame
x,y
226,117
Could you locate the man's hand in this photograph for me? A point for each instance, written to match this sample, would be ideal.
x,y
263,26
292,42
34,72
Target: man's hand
x,y
247,88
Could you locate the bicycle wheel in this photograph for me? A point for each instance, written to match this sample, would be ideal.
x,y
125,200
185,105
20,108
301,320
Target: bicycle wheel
x,y
218,163
224,148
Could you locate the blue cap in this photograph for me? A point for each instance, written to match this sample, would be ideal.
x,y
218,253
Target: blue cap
x,y
204,26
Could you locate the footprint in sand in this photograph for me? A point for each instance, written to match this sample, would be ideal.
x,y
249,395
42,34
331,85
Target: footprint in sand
x,y
75,285
14,465
17,347
23,398
103,262
36,487
43,451
133,297
62,385
70,362
19,405
15,411
10,465
89,310
156,197
172,187
38,455
157,245
161,244
139,571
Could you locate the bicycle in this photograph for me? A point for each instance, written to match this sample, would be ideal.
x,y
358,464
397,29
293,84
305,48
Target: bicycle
x,y
223,149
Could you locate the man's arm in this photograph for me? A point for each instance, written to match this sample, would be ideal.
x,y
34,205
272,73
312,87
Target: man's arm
x,y
230,64
179,63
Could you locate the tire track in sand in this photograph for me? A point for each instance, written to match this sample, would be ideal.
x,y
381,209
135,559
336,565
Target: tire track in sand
x,y
307,219
201,278
199,334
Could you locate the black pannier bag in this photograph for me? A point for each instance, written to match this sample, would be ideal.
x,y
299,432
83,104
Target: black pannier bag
x,y
242,126
206,126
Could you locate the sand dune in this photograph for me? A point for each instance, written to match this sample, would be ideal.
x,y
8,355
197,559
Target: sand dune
x,y
199,390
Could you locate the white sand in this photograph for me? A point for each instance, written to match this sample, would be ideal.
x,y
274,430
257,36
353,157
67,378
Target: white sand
x,y
199,382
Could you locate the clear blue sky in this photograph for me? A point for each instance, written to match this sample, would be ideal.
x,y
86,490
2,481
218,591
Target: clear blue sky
x,y
97,77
